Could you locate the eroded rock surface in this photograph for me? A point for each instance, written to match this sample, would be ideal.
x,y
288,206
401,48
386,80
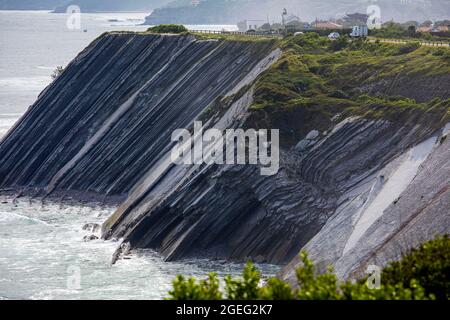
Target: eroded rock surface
x,y
350,194
109,117
391,210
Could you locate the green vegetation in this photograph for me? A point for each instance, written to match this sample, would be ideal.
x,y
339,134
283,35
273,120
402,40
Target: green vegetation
x,y
392,30
318,82
232,37
429,265
409,47
168,28
317,79
420,275
408,30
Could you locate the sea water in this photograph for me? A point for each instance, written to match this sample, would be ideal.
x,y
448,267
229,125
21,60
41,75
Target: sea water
x,y
42,248
43,254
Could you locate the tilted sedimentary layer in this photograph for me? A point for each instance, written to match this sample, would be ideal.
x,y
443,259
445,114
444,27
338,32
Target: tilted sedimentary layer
x,y
399,206
109,117
349,195
234,212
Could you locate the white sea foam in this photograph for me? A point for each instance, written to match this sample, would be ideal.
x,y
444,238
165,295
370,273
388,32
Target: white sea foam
x,y
40,241
24,84
45,67
6,123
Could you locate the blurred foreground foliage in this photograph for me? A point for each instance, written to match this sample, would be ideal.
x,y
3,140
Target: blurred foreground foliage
x,y
422,274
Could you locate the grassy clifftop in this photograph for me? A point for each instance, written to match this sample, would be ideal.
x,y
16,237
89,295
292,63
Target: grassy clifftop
x,y
317,79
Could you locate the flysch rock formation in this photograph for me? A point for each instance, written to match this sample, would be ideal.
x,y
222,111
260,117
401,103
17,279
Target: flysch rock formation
x,y
232,212
109,117
354,195
381,217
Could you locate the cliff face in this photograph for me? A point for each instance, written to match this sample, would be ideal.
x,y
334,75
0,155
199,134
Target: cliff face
x,y
384,213
109,117
425,88
350,189
233,212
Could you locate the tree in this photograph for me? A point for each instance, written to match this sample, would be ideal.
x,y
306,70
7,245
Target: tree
x,y
411,31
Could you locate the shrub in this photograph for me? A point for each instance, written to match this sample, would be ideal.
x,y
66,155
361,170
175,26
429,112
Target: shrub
x,y
429,265
390,30
420,275
190,289
168,28
57,72
441,52
339,94
246,288
409,47
307,41
340,43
